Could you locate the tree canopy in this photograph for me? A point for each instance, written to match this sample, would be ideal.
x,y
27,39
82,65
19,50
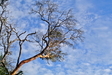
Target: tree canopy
x,y
61,29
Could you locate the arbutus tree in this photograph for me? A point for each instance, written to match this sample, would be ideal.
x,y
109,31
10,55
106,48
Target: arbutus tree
x,y
61,29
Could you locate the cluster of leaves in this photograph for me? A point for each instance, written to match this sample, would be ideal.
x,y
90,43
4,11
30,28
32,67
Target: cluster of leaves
x,y
61,29
3,70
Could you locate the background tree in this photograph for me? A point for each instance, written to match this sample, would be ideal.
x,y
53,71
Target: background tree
x,y
61,29
3,69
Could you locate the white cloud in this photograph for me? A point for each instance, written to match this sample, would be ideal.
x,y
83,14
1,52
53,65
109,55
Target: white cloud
x,y
83,5
107,70
31,68
93,55
34,68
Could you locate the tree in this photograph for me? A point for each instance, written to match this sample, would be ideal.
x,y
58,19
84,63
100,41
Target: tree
x,y
3,69
60,30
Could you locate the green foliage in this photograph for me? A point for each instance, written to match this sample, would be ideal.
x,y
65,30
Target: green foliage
x,y
54,57
3,70
56,34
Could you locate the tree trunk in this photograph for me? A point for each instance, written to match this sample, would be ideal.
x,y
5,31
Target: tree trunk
x,y
14,72
23,62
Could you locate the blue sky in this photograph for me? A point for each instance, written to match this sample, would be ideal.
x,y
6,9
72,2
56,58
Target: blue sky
x,y
91,57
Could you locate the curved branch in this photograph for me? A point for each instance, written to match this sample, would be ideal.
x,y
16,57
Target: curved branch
x,y
26,61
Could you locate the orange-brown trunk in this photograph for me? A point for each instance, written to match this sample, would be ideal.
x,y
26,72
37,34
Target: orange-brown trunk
x,y
23,62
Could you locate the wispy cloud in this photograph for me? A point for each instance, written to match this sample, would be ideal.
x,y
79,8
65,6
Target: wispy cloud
x,y
93,56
